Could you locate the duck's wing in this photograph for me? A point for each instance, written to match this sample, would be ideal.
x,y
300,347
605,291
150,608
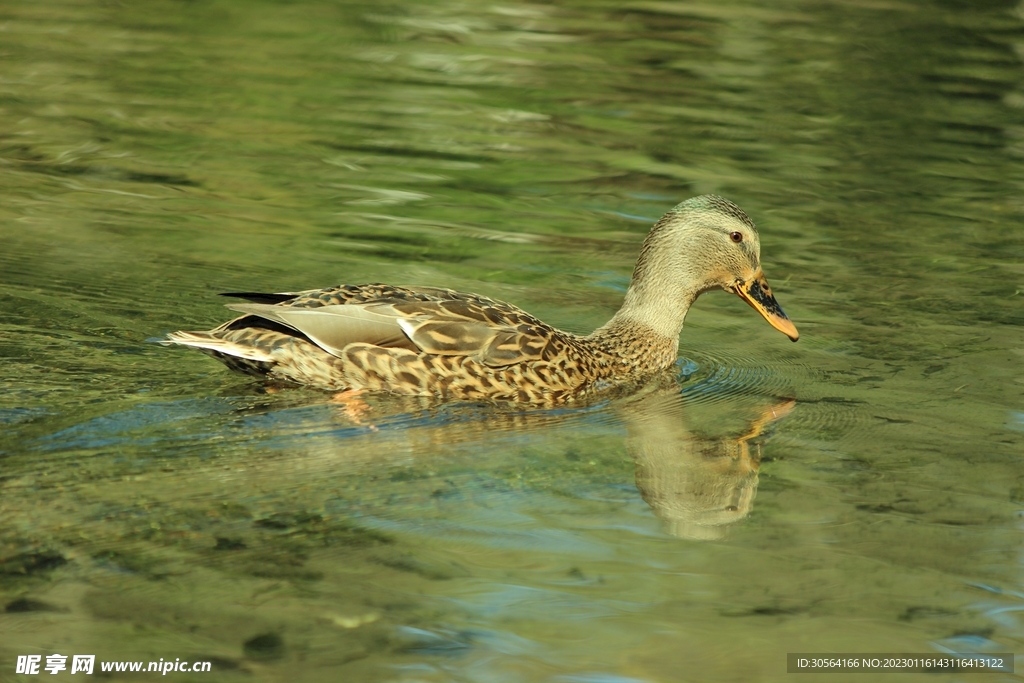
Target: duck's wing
x,y
435,321
353,294
494,332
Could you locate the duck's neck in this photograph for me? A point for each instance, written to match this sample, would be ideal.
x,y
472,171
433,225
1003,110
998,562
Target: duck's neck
x,y
667,279
652,313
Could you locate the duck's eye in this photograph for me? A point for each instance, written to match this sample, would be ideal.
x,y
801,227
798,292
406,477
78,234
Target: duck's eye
x,y
736,237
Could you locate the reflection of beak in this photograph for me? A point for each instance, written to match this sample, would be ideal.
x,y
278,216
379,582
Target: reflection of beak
x,y
758,294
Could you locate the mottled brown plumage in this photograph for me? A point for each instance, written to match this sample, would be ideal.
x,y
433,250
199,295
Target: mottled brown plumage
x,y
437,342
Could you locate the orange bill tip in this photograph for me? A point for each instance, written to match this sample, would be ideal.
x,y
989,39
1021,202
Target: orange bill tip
x,y
758,294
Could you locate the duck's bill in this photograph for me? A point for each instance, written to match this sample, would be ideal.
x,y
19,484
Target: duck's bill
x,y
758,294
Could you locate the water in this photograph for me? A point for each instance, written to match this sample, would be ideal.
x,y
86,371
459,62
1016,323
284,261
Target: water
x,y
859,491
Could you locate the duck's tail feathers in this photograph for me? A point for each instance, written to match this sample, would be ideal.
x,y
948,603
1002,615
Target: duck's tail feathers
x,y
209,342
263,297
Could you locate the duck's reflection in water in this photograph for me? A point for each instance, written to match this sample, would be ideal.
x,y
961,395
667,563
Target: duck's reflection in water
x,y
697,481
696,459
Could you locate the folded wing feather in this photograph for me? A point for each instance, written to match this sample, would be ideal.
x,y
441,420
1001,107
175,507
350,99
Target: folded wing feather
x,y
332,328
425,326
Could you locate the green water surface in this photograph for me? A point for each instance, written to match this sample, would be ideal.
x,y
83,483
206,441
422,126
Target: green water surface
x,y
859,491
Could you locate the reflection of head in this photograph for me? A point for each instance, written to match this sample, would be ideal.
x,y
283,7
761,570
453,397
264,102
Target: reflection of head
x,y
700,485
697,486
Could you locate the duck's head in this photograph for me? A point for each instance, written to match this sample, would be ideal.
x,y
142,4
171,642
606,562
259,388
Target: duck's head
x,y
706,243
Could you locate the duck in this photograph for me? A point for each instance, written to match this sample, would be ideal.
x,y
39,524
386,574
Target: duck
x,y
450,345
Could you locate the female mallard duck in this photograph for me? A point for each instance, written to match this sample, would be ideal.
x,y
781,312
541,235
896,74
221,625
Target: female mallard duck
x,y
436,342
